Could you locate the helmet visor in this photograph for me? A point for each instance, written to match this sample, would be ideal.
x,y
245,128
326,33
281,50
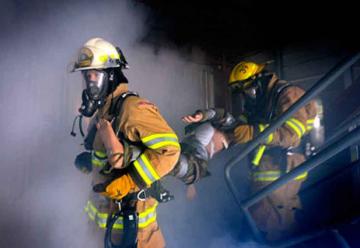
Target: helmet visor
x,y
96,82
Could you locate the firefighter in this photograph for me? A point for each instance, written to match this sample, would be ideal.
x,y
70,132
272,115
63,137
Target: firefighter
x,y
264,97
122,120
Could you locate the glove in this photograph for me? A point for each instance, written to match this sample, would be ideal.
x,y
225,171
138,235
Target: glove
x,y
116,189
83,162
243,133
160,193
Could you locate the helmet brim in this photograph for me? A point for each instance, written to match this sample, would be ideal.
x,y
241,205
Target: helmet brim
x,y
92,67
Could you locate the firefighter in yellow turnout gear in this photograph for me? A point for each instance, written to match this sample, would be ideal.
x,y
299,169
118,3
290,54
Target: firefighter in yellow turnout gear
x,y
136,121
264,98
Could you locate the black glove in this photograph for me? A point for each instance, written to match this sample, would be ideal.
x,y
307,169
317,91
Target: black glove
x,y
83,162
100,187
160,193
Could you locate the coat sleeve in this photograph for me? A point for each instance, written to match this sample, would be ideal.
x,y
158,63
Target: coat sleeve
x,y
291,132
143,123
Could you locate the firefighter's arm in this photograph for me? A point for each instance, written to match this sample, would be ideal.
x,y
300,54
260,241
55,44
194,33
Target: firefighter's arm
x,y
145,124
114,149
141,122
292,130
202,115
290,133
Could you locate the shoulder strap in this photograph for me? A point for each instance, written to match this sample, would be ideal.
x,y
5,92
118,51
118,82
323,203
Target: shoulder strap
x,y
116,108
115,112
275,94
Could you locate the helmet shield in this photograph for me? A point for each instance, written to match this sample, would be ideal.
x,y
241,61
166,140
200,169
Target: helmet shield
x,y
97,83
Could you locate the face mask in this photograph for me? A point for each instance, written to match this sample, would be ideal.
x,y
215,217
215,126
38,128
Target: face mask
x,y
246,96
93,97
96,83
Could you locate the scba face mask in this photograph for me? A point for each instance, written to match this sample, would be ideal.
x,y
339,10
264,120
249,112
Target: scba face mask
x,y
94,94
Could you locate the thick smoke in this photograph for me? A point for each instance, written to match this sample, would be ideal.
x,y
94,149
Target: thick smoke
x,y
42,195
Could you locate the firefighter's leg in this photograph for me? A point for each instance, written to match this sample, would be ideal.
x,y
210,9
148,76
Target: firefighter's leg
x,y
275,215
149,233
151,237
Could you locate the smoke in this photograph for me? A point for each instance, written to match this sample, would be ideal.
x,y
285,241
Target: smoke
x,y
41,192
228,242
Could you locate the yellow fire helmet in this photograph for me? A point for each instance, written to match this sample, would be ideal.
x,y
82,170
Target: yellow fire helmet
x,y
243,71
98,53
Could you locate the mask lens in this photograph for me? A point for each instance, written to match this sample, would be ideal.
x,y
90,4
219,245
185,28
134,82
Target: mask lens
x,y
250,92
96,83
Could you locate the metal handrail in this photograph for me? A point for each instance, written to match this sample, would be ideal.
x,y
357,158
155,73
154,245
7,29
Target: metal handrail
x,y
355,120
350,139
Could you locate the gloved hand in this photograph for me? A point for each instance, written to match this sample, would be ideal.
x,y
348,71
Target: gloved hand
x,y
160,193
83,162
116,189
243,133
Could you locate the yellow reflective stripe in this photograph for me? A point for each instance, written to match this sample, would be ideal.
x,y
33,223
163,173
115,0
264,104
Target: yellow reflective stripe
x,y
302,176
159,135
98,163
98,158
270,137
259,153
146,171
273,175
293,127
99,218
310,124
297,126
149,210
156,141
100,154
91,212
310,121
145,218
266,179
147,221
165,143
299,123
268,172
149,166
262,127
267,176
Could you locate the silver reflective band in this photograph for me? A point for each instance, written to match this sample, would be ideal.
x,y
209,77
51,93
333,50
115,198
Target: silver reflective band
x,y
158,140
147,217
144,168
183,163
